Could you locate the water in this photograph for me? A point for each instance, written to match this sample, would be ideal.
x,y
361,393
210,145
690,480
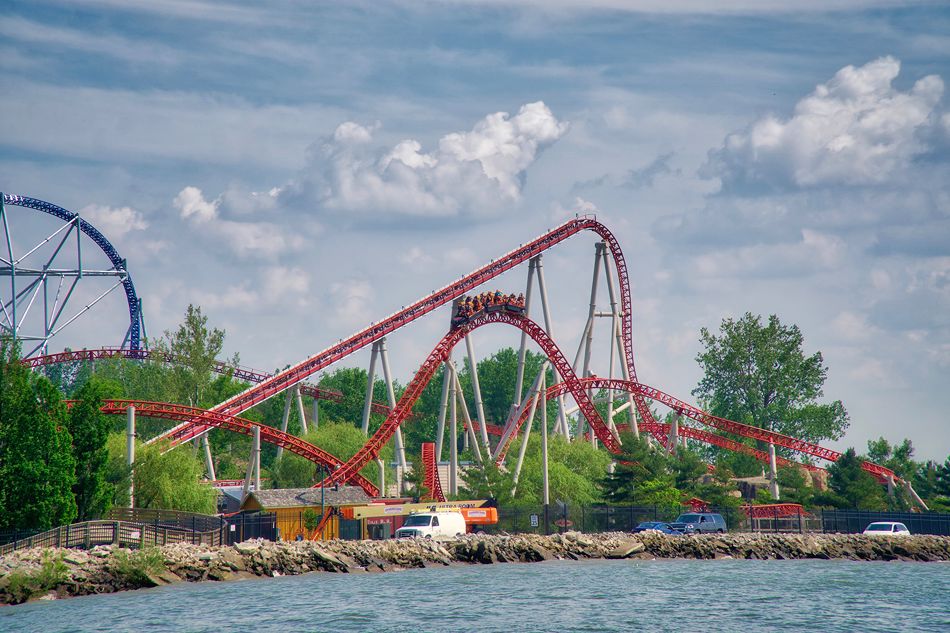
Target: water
x,y
668,595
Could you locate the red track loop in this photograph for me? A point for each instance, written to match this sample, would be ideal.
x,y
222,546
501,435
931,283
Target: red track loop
x,y
294,375
414,389
235,424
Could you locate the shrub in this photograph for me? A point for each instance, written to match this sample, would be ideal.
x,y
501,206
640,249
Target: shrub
x,y
25,584
136,568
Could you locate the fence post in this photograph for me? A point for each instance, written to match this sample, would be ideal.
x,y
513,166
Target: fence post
x,y
86,536
115,533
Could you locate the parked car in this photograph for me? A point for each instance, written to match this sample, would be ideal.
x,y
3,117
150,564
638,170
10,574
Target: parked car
x,y
659,526
439,526
700,523
887,528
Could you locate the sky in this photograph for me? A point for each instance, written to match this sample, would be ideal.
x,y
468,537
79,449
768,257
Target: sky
x,y
301,169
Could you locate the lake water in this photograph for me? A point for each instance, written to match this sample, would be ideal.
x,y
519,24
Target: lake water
x,y
662,595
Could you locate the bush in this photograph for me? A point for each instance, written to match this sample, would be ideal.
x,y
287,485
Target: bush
x,y
23,585
136,568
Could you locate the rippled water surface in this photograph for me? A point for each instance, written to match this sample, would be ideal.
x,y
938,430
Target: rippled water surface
x,y
681,595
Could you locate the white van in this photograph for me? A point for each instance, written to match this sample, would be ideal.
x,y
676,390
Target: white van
x,y
439,526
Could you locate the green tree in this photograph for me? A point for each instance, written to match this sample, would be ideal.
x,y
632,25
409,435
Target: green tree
x,y
171,480
642,476
850,486
757,373
292,471
37,469
195,348
89,429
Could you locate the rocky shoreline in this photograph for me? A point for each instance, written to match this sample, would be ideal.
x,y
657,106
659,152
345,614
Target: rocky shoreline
x,y
58,573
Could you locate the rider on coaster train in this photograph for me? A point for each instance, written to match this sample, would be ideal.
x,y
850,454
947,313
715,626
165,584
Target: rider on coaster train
x,y
466,308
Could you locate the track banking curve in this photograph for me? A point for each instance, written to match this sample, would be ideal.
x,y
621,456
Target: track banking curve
x,y
439,354
167,411
294,375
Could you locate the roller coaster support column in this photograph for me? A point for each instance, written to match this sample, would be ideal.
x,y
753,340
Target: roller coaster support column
x,y
443,404
479,406
315,415
130,453
773,473
469,427
453,442
674,433
546,310
519,380
588,339
545,482
300,411
534,396
253,464
400,447
209,463
288,398
370,378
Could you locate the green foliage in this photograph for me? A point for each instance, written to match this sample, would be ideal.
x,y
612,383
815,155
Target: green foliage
x,y
851,486
292,471
134,568
343,440
489,482
117,472
90,430
641,477
37,467
171,480
311,519
794,487
21,585
758,374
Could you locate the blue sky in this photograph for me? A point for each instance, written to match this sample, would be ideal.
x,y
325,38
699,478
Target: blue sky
x,y
300,171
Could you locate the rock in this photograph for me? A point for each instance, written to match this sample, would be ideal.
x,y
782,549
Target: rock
x,y
626,548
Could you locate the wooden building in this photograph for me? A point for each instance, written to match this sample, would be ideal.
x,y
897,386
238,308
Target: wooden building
x,y
299,510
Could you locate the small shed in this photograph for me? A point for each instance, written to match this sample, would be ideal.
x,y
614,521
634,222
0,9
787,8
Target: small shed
x,y
299,510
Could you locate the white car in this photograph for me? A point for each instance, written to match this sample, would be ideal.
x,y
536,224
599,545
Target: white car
x,y
887,528
440,526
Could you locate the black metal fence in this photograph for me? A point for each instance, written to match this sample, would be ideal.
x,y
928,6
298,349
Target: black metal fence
x,y
167,518
854,521
248,525
596,518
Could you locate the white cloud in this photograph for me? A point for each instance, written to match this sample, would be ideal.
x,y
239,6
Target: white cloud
x,y
350,303
191,203
246,239
470,172
114,222
856,129
814,252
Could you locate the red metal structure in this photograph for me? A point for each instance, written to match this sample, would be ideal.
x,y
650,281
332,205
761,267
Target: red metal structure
x,y
431,472
178,412
296,374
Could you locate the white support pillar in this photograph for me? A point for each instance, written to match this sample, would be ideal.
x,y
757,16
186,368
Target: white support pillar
x,y
625,372
588,342
257,458
524,438
382,476
614,321
400,447
130,453
477,392
209,462
545,482
469,427
519,380
453,442
253,463
674,434
513,419
315,413
370,379
773,473
546,310
443,405
300,411
288,397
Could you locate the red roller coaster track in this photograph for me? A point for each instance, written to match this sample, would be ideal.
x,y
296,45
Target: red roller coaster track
x,y
178,412
430,468
294,375
241,373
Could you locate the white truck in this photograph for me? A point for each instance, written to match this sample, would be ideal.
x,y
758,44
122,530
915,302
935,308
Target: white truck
x,y
439,526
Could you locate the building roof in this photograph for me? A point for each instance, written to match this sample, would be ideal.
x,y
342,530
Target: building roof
x,y
305,497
